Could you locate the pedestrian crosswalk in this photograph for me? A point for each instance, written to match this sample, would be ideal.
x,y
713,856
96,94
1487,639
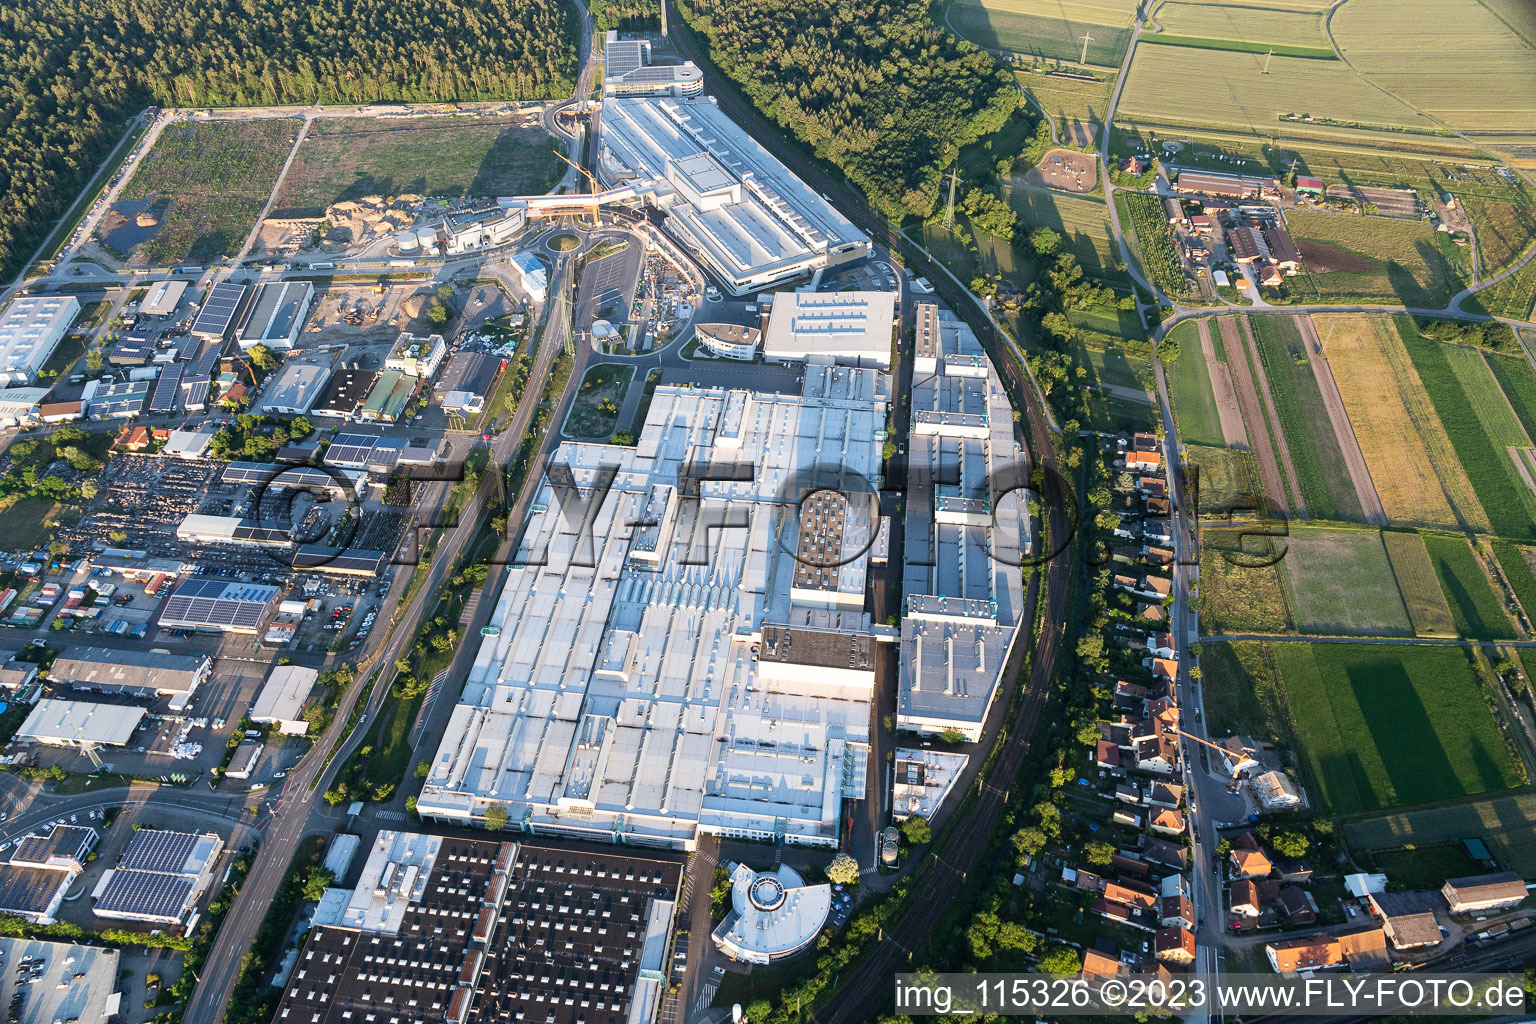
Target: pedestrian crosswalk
x,y
391,815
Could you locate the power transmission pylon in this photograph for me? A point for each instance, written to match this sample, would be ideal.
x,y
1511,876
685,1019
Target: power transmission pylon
x,y
1267,56
949,210
1086,37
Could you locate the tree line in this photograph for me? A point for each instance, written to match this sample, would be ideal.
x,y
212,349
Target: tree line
x,y
74,71
873,86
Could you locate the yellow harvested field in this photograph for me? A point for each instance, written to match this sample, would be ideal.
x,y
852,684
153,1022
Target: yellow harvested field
x,y
1103,12
1248,24
1069,98
1411,461
1419,585
1458,60
1182,84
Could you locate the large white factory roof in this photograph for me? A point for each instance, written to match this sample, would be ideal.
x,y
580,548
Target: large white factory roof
x,y
967,529
622,691
852,328
282,698
727,198
30,329
69,723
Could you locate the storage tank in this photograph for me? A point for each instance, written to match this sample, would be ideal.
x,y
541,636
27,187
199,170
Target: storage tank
x,y
406,241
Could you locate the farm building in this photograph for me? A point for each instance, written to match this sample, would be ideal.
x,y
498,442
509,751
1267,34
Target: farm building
x,y
1214,183
1480,894
1309,186
277,314
30,329
1245,244
1282,250
1175,211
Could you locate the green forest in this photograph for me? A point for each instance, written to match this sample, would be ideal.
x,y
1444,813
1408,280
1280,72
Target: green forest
x,y
74,71
628,15
874,86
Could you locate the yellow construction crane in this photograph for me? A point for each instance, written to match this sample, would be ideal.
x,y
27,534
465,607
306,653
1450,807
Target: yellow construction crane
x,y
591,181
1243,761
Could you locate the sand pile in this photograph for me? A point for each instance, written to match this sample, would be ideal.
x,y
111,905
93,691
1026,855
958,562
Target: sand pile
x,y
368,217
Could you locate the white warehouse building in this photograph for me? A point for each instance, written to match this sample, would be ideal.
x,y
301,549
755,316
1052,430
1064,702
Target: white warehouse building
x,y
967,527
728,200
704,672
30,329
850,328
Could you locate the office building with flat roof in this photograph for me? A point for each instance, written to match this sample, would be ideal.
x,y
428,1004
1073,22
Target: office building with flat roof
x,y
628,71
729,201
623,692
30,329
967,529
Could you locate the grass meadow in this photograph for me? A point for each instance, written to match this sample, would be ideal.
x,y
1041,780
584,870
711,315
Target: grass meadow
x,y
1508,502
1476,608
348,158
1189,386
1419,585
1341,584
1505,823
1386,726
1373,259
1320,466
1228,479
1242,583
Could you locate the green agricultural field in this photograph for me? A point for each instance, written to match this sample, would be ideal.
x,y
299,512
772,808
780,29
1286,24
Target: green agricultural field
x,y
1341,584
1503,494
1082,222
207,183
349,158
1373,259
1517,570
1068,99
1420,49
1478,611
1242,691
1242,584
1227,478
1243,24
1189,386
1110,321
1505,227
1386,726
1518,382
1494,411
1052,31
1223,89
1320,466
1504,823
1514,297
1153,240
1419,585
1210,45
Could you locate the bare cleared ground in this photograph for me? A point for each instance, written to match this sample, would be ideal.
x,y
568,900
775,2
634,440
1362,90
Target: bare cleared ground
x,y
1338,416
1253,416
1232,429
1067,170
